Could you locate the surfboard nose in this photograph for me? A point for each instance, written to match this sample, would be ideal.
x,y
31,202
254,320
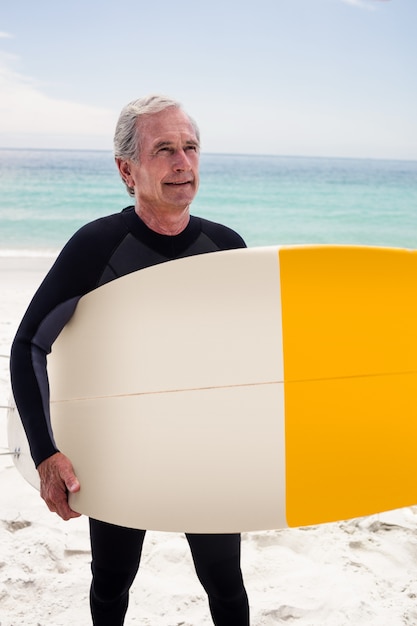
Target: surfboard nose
x,y
350,364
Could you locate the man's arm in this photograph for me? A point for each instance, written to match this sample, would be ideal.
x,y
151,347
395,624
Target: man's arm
x,y
74,273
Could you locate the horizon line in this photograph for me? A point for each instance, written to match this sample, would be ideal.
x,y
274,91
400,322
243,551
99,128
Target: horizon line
x,y
230,154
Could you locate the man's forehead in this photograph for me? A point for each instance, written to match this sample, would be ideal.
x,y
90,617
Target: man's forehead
x,y
167,126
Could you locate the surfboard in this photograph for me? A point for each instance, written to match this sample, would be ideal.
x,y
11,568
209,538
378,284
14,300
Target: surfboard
x,y
243,390
19,446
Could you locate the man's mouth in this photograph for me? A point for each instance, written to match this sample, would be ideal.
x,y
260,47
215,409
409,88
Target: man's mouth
x,y
179,183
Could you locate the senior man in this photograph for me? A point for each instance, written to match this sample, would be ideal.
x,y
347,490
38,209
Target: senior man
x,y
157,154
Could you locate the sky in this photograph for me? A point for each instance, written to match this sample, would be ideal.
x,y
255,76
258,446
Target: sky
x,y
285,77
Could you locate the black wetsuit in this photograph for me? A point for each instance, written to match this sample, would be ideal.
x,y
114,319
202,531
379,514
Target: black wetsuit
x,y
98,253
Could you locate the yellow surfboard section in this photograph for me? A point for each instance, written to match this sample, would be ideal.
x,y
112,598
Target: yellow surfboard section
x,y
350,375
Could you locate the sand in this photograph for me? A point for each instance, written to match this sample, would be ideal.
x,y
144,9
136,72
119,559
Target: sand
x,y
358,572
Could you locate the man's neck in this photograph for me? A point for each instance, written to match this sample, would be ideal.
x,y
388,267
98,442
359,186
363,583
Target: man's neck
x,y
164,223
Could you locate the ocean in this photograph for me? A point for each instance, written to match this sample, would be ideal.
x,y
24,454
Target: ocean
x,y
46,195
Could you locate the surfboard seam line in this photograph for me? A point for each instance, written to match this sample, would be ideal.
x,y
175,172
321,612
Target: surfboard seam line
x,y
273,382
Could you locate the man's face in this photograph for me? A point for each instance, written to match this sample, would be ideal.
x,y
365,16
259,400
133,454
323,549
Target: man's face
x,y
165,177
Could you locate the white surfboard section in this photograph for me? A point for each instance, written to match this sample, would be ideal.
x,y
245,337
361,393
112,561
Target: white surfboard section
x,y
167,395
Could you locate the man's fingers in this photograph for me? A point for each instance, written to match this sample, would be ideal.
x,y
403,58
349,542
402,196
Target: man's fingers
x,y
57,479
71,481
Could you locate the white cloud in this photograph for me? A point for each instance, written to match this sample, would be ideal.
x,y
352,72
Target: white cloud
x,y
364,4
358,3
26,110
4,35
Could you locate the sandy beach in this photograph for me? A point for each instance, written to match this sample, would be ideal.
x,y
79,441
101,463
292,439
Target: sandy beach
x,y
358,572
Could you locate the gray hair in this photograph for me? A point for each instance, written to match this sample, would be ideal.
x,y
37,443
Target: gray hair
x,y
127,137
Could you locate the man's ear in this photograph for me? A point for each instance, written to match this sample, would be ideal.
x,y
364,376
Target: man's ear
x,y
124,169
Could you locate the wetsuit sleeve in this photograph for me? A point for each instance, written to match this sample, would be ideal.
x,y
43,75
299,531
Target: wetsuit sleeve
x,y
75,272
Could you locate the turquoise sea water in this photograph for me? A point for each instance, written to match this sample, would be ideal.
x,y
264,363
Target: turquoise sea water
x,y
45,195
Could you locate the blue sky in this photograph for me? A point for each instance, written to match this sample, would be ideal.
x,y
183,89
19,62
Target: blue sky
x,y
291,77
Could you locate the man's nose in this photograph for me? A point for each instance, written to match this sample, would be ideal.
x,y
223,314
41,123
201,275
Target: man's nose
x,y
181,161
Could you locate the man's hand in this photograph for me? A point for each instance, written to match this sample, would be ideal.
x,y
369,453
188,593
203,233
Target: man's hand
x,y
57,480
